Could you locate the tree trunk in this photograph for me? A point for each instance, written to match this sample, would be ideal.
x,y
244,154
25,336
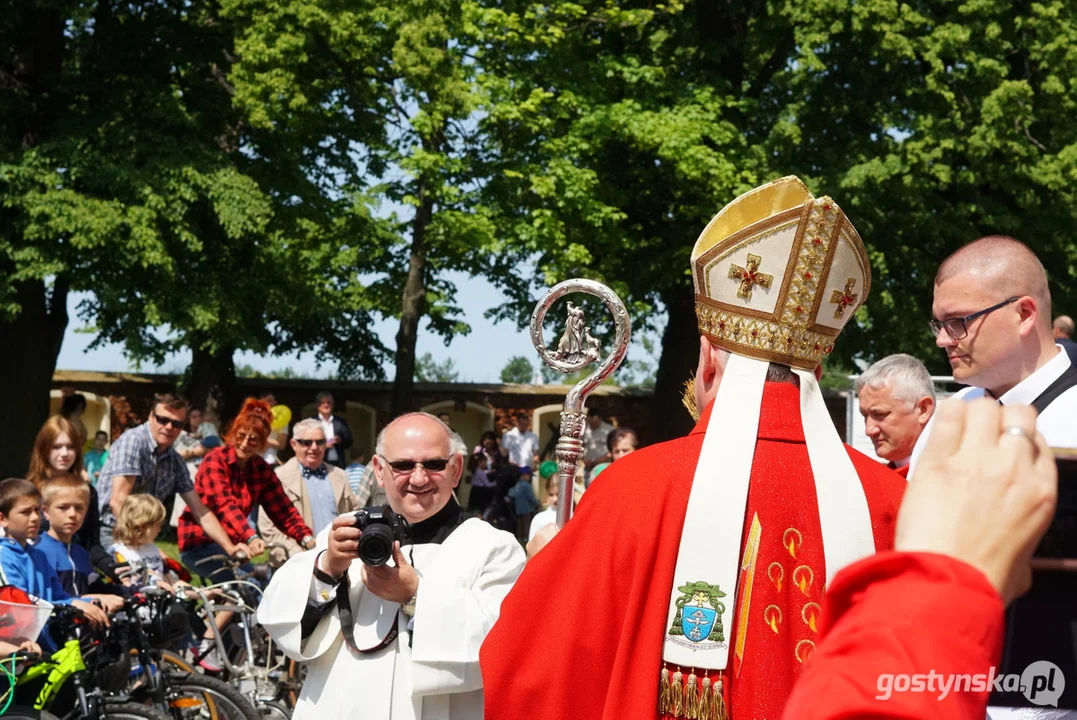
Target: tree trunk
x,y
33,340
212,383
413,307
680,355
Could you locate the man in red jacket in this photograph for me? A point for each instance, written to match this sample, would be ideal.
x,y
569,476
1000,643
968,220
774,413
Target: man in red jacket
x,y
699,594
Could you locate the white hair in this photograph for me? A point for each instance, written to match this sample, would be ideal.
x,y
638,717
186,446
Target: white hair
x,y
907,378
308,424
456,443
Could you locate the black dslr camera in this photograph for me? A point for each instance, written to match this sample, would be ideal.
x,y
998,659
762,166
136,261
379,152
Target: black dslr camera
x,y
381,527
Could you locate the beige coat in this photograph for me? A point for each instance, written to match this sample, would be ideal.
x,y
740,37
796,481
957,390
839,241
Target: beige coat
x,y
292,480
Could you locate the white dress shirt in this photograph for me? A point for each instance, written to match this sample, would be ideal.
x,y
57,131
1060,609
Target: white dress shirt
x,y
1057,423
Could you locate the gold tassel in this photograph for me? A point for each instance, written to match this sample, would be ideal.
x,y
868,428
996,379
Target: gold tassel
x,y
705,700
676,696
719,709
663,691
691,698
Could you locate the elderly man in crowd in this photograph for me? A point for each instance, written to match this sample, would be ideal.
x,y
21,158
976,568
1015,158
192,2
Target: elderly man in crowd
x,y
318,490
143,460
897,399
401,642
1062,329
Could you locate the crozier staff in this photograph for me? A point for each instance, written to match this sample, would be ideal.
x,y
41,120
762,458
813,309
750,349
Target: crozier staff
x,y
400,640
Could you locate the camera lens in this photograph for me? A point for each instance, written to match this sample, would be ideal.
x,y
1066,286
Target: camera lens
x,y
376,545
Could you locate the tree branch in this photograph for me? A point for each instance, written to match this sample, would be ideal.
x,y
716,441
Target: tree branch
x,y
774,63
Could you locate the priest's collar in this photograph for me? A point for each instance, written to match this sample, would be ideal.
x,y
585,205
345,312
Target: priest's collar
x,y
440,525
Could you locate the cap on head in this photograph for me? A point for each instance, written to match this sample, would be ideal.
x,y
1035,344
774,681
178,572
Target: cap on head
x,y
778,273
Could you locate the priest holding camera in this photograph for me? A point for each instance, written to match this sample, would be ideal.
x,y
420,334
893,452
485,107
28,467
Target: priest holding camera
x,y
391,606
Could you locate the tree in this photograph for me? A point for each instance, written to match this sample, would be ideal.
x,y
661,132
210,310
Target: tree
x,y
427,369
619,130
393,85
517,370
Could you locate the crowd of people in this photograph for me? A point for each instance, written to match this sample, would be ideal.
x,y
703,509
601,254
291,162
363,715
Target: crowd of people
x,y
758,567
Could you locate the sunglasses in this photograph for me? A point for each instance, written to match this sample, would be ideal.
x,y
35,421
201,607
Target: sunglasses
x,y
250,438
407,467
307,443
174,424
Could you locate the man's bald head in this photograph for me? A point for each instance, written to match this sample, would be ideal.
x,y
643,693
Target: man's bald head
x,y
411,424
1007,264
1063,327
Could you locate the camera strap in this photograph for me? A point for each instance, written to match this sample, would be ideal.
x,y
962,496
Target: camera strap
x,y
347,621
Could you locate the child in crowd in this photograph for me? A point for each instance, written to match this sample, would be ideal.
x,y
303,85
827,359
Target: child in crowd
x,y
95,458
65,500
524,502
24,566
141,519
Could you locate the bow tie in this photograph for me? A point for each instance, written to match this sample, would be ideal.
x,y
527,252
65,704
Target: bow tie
x,y
319,472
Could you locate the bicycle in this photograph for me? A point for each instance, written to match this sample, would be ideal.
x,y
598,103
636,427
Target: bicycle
x,y
68,684
151,622
249,659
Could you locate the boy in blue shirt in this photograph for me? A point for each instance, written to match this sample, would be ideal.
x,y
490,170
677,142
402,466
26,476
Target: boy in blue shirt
x,y
66,499
23,565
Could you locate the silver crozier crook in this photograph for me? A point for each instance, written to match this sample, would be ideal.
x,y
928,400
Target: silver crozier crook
x,y
576,350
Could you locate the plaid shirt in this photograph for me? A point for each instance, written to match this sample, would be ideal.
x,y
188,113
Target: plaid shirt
x,y
135,453
231,492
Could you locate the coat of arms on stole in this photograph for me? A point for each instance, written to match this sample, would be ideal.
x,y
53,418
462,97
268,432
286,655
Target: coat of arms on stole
x,y
699,614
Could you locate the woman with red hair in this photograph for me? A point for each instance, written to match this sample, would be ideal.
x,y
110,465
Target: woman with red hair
x,y
232,480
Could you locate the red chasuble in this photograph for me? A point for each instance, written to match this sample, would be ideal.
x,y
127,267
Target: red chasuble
x,y
581,633
916,614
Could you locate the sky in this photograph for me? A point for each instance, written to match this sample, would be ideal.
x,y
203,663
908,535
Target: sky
x,y
478,356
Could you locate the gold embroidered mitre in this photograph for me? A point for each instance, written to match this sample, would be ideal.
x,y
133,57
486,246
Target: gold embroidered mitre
x,y
778,273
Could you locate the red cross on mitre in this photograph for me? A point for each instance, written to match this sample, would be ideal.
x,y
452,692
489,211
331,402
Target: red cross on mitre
x,y
844,298
749,276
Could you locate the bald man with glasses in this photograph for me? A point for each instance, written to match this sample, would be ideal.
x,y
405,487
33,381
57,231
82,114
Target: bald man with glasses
x,y
399,640
992,318
319,491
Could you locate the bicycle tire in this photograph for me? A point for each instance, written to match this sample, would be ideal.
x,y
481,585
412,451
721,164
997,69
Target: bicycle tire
x,y
22,713
275,710
223,701
132,711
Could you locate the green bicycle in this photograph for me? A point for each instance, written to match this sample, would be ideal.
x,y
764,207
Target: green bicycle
x,y
63,687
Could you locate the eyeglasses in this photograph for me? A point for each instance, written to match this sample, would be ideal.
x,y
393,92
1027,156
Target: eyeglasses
x,y
249,439
407,467
957,328
174,424
307,442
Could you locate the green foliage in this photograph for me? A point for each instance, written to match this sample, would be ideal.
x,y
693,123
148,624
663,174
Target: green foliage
x,y
518,370
617,132
427,369
286,373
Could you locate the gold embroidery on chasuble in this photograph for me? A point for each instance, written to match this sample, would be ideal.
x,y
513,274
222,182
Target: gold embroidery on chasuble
x,y
844,298
803,650
803,577
747,581
776,573
792,539
810,614
772,615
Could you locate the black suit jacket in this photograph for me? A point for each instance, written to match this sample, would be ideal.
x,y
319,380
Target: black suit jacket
x,y
343,434
1070,347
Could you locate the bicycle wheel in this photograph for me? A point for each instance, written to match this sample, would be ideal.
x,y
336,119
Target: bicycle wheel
x,y
275,710
22,713
200,696
132,711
